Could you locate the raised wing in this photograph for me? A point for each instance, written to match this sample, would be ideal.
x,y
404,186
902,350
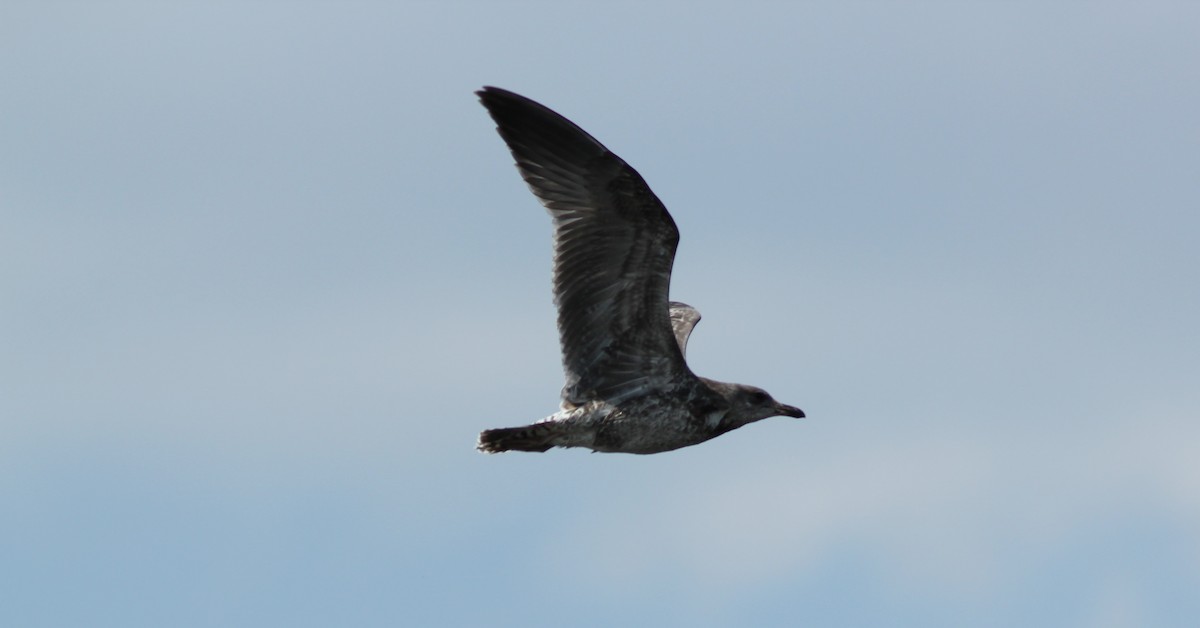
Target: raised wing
x,y
683,319
614,244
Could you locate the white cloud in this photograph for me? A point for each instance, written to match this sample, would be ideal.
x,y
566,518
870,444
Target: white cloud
x,y
968,515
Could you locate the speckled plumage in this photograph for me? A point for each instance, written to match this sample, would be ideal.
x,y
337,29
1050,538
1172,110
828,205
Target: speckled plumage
x,y
628,388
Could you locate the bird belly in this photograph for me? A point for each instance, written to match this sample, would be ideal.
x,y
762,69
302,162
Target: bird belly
x,y
646,432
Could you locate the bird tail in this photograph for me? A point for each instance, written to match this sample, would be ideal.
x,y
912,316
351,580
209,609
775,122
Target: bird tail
x,y
537,437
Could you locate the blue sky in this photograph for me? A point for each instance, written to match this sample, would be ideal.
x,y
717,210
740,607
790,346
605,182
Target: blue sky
x,y
268,270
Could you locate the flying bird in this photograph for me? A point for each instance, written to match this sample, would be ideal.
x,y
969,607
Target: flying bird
x,y
628,388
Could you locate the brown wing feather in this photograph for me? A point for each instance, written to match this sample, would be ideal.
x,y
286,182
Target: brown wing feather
x,y
683,319
614,244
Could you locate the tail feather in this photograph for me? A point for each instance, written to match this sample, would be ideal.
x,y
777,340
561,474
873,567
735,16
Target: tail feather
x,y
537,437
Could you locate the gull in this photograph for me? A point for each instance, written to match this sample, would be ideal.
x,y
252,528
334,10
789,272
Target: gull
x,y
628,388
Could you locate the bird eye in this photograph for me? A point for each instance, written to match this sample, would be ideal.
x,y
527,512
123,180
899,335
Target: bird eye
x,y
759,396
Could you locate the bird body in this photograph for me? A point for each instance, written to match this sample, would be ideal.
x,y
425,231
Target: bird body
x,y
628,387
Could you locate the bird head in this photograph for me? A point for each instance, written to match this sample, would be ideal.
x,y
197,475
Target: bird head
x,y
750,403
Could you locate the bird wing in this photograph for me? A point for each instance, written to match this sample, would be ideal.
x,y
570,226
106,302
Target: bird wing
x,y
683,319
614,244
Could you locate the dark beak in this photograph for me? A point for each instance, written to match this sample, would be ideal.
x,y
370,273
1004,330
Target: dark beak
x,y
792,411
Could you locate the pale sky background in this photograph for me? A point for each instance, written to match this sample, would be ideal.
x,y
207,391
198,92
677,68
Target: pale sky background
x,y
267,270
